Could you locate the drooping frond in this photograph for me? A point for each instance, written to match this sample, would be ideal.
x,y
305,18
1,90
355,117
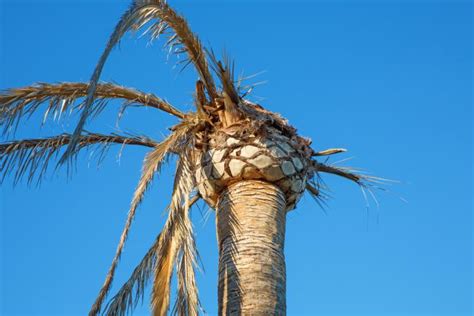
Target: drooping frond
x,y
124,301
178,241
21,102
163,271
138,15
151,165
183,40
134,289
31,157
187,301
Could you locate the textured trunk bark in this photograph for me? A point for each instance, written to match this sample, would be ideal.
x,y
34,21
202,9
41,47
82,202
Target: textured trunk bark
x,y
251,233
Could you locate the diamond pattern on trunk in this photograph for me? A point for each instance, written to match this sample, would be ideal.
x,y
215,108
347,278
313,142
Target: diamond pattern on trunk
x,y
273,158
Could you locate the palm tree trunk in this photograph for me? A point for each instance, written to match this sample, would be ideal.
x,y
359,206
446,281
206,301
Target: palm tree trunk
x,y
251,233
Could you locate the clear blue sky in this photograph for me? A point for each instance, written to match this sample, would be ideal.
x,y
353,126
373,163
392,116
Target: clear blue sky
x,y
389,80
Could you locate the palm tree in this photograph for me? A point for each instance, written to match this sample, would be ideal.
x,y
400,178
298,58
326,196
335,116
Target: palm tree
x,y
244,161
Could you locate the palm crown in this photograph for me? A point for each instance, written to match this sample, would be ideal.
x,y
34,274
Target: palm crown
x,y
227,139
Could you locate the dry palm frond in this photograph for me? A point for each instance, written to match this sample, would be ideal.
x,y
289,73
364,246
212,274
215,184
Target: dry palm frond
x,y
21,102
200,100
225,72
31,157
163,270
151,166
318,190
177,239
187,301
124,301
182,41
365,181
341,171
133,290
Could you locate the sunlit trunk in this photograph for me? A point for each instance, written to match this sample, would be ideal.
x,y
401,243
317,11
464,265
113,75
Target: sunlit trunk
x,y
251,232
